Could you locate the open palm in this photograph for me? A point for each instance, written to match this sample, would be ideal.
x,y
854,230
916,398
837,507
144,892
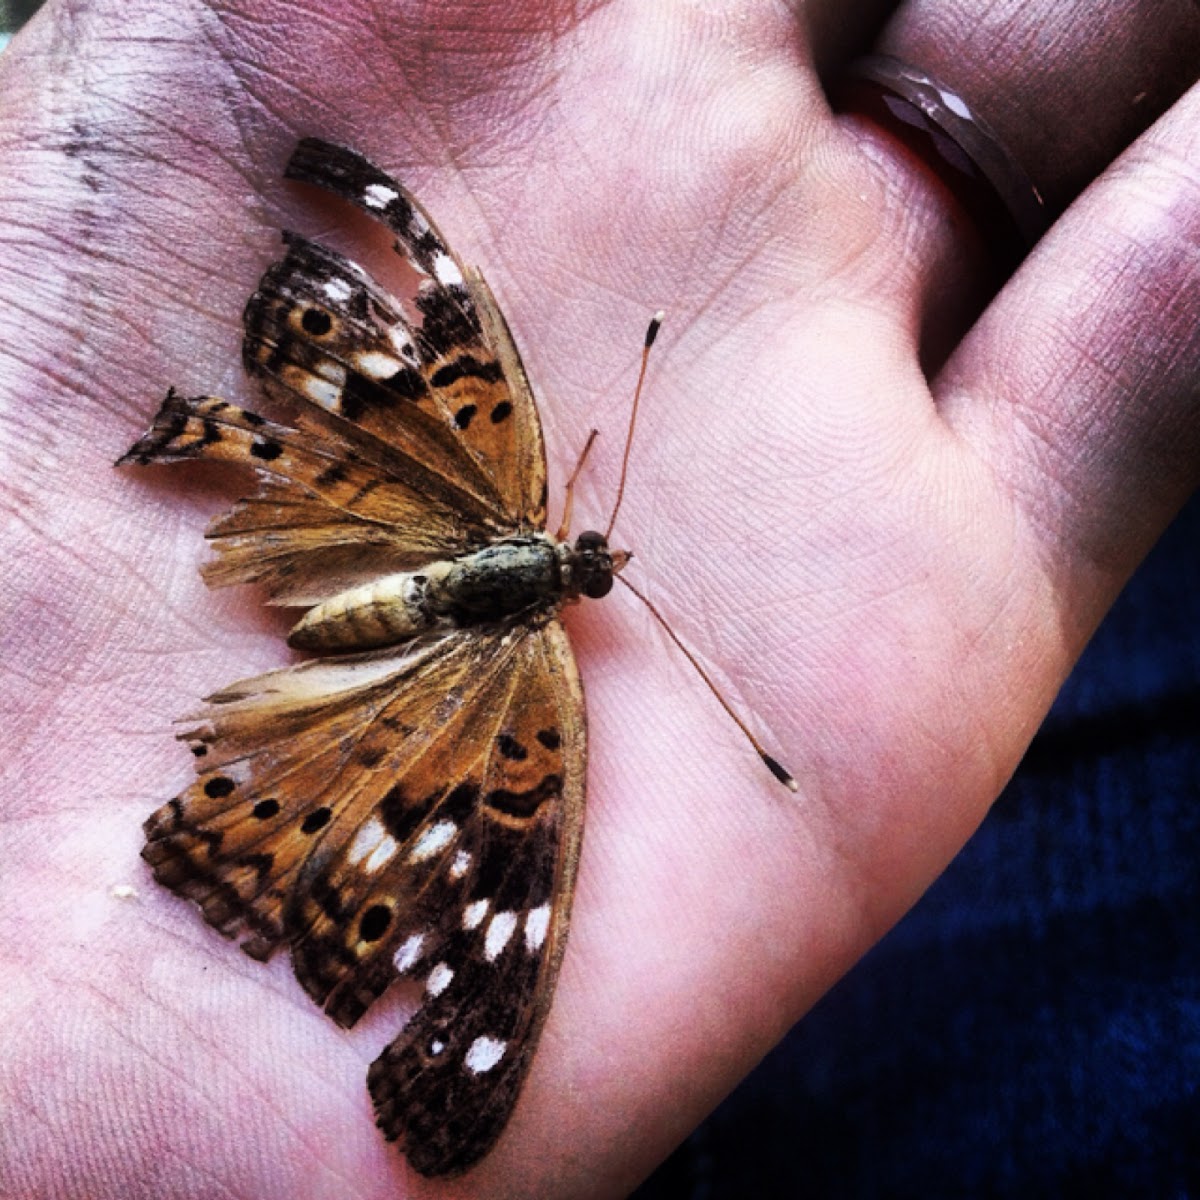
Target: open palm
x,y
889,582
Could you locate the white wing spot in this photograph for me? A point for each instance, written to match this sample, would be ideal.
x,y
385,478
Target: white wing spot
x,y
474,913
377,195
382,854
369,835
376,365
484,1054
499,931
331,370
436,1046
397,335
338,290
445,270
537,922
321,391
458,868
439,979
434,839
408,953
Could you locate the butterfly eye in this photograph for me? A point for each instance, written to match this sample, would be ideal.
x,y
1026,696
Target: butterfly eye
x,y
592,566
598,585
316,322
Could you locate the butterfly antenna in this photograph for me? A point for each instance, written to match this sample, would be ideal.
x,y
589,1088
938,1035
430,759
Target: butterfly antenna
x,y
772,764
651,333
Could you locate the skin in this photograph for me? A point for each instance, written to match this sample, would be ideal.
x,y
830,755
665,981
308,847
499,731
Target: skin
x,y
889,576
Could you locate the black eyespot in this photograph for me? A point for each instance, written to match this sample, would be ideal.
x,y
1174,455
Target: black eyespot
x,y
218,787
317,819
501,412
316,322
375,922
265,808
511,748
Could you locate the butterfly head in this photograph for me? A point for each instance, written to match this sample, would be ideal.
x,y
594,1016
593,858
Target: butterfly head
x,y
593,565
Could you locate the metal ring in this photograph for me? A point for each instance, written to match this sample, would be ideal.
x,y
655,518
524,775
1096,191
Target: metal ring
x,y
957,144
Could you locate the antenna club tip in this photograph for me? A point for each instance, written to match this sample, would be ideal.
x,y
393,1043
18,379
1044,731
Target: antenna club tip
x,y
655,325
781,773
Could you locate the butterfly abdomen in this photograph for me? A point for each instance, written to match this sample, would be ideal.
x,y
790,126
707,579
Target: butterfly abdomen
x,y
514,575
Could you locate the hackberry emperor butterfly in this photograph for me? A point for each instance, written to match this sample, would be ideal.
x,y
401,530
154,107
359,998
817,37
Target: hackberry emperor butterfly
x,y
410,804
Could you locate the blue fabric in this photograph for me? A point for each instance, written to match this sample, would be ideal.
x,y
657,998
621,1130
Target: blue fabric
x,y
1032,1028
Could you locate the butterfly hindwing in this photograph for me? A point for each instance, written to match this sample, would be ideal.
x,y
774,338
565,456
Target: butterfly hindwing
x,y
330,814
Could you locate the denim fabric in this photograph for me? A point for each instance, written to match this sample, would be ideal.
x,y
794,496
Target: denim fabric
x,y
1032,1028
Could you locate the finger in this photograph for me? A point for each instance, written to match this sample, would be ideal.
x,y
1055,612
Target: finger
x,y
1038,126
1064,86
1078,386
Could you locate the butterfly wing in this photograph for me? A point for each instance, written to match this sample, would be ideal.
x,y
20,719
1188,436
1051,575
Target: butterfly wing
x,y
320,329
332,509
416,437
414,812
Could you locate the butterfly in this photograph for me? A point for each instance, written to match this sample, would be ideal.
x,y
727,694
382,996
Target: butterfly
x,y
410,803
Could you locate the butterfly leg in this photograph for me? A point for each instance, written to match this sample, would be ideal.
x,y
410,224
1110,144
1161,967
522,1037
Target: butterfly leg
x,y
569,501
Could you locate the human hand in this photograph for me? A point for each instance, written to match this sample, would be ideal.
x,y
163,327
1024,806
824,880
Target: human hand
x,y
890,579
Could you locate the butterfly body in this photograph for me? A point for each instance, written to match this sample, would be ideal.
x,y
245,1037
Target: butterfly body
x,y
519,577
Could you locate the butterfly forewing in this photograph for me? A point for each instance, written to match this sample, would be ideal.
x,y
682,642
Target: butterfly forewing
x,y
321,328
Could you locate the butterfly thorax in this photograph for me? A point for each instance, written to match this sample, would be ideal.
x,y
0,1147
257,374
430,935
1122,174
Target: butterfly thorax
x,y
514,577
